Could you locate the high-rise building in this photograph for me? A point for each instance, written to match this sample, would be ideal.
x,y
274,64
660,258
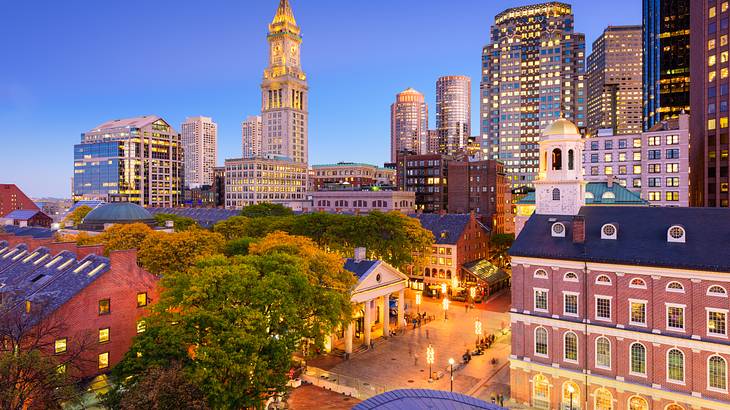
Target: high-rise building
x,y
137,160
614,81
200,143
453,113
432,142
710,79
408,124
666,59
251,181
251,133
284,90
532,74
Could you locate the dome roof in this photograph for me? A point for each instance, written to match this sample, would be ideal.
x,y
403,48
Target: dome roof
x,y
118,212
561,127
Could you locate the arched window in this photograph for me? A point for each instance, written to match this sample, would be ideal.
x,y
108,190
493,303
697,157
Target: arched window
x,y
603,400
448,274
674,407
557,159
427,272
556,194
603,280
675,287
675,365
638,359
638,403
570,277
716,290
541,341
589,195
637,283
540,392
608,196
676,234
571,395
570,347
541,273
717,373
603,352
571,159
558,230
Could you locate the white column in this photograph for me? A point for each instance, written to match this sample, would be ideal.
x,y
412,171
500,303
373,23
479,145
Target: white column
x,y
401,307
386,316
367,322
348,339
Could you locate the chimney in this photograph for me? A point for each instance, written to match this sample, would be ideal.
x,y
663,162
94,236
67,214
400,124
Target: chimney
x,y
579,229
360,254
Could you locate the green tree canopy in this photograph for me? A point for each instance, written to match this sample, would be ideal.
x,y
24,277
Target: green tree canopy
x,y
266,209
162,253
77,215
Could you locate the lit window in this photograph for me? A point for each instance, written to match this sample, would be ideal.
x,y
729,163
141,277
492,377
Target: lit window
x,y
603,353
570,347
637,312
637,283
103,360
570,302
104,307
142,299
60,346
675,365
638,359
541,299
104,335
603,400
61,369
141,326
717,322
541,341
717,373
675,317
711,124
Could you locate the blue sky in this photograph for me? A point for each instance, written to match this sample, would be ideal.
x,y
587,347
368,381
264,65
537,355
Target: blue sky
x,y
69,66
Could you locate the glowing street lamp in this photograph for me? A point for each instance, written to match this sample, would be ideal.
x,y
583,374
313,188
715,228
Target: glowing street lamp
x,y
445,304
418,301
443,289
430,355
478,330
473,293
451,366
454,283
571,390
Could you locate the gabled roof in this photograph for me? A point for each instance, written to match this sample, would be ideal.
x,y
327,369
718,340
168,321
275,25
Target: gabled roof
x,y
360,267
641,237
446,229
22,214
595,195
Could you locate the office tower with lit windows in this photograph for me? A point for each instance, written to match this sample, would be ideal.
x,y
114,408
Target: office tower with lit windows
x,y
453,113
200,144
251,133
666,58
614,83
408,124
710,63
532,74
284,90
137,160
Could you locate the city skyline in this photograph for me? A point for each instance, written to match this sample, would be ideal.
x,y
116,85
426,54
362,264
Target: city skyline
x,y
61,101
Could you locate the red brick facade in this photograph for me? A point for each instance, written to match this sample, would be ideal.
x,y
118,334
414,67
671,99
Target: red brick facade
x,y
479,186
12,198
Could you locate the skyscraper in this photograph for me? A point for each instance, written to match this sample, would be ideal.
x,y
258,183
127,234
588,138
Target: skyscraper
x,y
614,81
453,112
666,59
408,124
200,142
251,133
532,74
137,160
284,90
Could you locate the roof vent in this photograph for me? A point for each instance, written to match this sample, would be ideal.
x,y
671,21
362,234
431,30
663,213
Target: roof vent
x,y
676,233
609,231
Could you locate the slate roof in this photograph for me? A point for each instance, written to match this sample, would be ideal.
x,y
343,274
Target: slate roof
x,y
641,239
206,217
360,268
22,214
622,195
446,229
422,399
35,232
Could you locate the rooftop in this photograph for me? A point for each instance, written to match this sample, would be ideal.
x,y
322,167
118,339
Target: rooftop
x,y
22,214
424,399
205,217
446,229
596,194
360,267
118,212
135,122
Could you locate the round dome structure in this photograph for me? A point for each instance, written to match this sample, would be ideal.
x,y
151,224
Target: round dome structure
x,y
116,213
561,127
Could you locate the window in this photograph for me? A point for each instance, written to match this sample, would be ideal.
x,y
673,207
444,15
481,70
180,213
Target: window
x,y
104,307
59,346
674,407
675,317
142,299
570,347
556,194
716,322
141,326
637,283
608,231
637,312
541,341
603,280
603,308
557,159
716,290
603,353
541,300
676,234
675,366
603,400
638,403
571,395
103,360
61,369
540,392
541,273
104,335
570,304
638,359
570,277
716,373
558,230
675,287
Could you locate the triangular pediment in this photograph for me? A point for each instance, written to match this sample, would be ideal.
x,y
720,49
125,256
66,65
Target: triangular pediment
x,y
381,275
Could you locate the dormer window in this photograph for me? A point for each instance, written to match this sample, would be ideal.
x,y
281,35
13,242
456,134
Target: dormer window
x,y
608,196
676,234
558,230
609,231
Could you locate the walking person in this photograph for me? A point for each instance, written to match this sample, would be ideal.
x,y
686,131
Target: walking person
x,y
415,359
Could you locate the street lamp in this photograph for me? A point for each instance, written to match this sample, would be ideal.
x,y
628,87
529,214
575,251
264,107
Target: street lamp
x,y
454,283
443,289
418,302
571,390
445,304
473,293
451,366
430,355
478,330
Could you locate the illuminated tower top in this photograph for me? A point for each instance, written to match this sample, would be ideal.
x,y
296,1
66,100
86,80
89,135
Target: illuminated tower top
x,y
285,40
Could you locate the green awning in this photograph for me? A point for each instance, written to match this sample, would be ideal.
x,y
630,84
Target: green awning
x,y
485,271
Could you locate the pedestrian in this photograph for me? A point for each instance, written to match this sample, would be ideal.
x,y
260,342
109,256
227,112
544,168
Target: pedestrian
x,y
415,359
372,345
501,399
466,307
426,333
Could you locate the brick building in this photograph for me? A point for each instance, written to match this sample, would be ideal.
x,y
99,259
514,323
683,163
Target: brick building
x,y
355,175
92,303
24,217
617,307
426,175
12,198
480,187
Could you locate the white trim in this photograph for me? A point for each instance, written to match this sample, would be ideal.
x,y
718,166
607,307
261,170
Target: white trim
x,y
646,364
595,353
666,317
607,236
577,303
720,295
681,239
646,312
577,349
547,342
668,289
595,396
556,234
684,367
715,389
547,300
609,283
707,323
595,307
565,277
631,285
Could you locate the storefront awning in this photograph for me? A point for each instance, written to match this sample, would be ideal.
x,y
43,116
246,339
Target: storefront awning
x,y
485,271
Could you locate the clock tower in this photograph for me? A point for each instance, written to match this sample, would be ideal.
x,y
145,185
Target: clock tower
x,y
284,91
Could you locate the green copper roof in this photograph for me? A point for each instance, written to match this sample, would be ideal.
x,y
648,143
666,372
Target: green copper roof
x,y
598,193
118,212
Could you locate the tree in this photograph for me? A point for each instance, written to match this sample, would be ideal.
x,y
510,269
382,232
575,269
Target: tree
x,y
180,223
124,236
160,388
266,209
163,253
238,246
234,323
77,215
499,249
233,227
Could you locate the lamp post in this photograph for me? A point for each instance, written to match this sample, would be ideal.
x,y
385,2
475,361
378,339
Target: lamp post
x,y
451,366
445,304
478,330
443,289
473,293
430,355
418,302
454,283
571,390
